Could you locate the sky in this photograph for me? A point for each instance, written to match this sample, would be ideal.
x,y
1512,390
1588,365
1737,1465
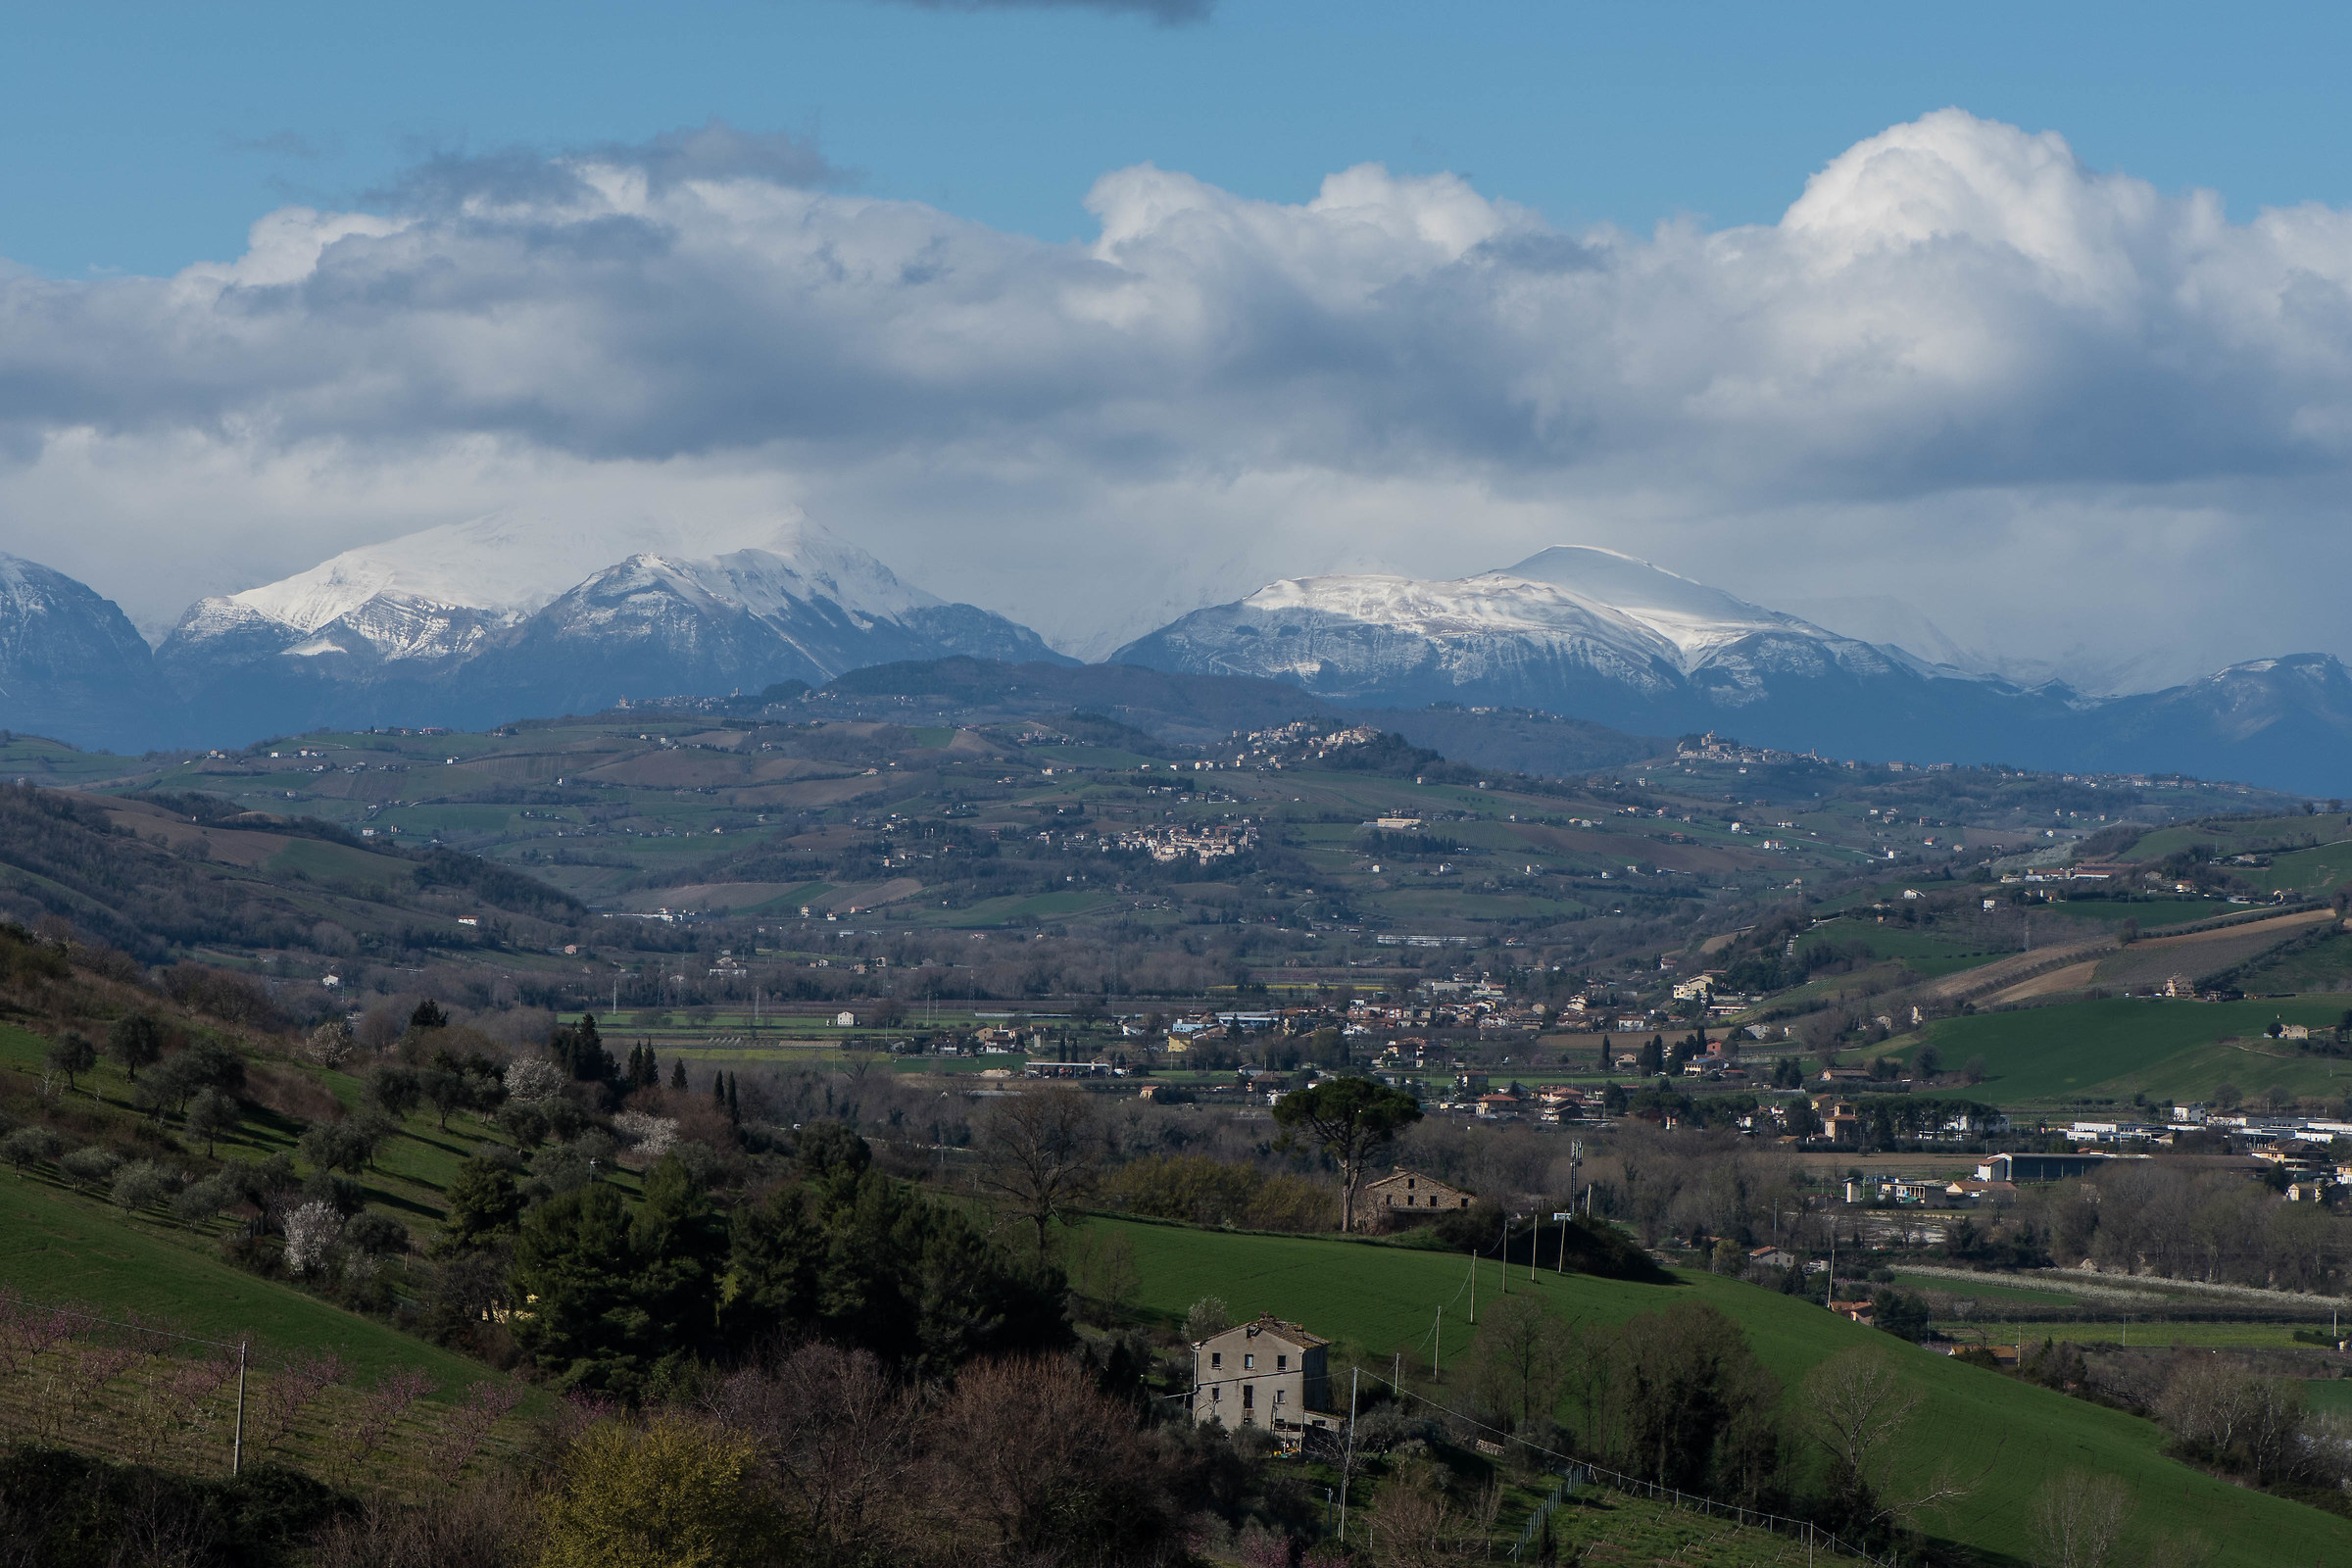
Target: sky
x,y
2019,333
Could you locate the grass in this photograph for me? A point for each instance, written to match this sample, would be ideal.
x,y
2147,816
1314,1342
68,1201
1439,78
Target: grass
x,y
2164,1049
320,860
62,1246
2325,965
2007,1435
1969,1290
2320,870
1894,942
2110,1329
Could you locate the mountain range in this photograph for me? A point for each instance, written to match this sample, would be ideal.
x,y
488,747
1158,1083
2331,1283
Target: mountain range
x,y
1604,637
470,625
473,624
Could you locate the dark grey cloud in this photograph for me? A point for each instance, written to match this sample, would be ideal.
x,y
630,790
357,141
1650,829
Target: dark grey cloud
x,y
443,179
716,150
1167,13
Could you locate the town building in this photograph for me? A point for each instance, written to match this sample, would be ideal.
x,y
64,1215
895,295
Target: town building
x,y
2040,1167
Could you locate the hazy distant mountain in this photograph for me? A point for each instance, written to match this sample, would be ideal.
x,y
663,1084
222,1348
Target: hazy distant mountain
x,y
73,668
1601,636
477,622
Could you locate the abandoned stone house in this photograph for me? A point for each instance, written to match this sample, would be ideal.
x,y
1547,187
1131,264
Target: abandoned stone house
x,y
1268,1374
1407,1194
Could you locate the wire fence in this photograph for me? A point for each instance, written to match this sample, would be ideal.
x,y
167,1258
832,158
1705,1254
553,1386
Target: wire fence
x,y
1812,1535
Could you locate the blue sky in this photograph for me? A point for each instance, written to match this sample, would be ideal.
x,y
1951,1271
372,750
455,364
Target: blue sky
x,y
1981,328
141,136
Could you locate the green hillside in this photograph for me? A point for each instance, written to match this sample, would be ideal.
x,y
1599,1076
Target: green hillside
x,y
62,1247
2010,1435
2166,1050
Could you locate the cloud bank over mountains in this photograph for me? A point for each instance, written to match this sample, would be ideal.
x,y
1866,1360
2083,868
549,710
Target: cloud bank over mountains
x,y
2052,409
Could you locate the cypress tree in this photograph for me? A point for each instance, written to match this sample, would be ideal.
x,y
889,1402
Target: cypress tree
x,y
734,1110
677,1074
1604,1052
718,1090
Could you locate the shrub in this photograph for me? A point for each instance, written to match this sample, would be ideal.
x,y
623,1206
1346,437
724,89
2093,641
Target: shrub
x,y
312,1231
143,1184
533,1079
201,1201
91,1167
671,1491
379,1235
30,1146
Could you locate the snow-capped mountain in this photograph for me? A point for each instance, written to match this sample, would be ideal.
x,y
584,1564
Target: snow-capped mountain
x,y
1599,635
503,618
72,666
1566,620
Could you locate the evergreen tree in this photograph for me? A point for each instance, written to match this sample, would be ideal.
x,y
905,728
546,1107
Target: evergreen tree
x,y
582,1052
1652,1058
428,1015
852,1255
484,1205
586,1328
1603,1062
734,1108
718,1090
678,1075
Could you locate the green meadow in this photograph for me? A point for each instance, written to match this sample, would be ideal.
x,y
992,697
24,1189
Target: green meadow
x,y
2167,1049
2007,1437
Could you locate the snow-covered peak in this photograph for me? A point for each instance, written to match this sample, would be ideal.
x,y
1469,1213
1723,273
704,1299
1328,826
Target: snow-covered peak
x,y
1695,617
1564,592
1496,604
22,579
766,583
514,564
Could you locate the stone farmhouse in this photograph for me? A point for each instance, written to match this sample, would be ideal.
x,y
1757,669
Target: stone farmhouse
x,y
1407,1196
1268,1374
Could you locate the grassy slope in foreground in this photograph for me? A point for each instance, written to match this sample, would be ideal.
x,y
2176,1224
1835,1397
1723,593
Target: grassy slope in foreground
x,y
2168,1048
56,1246
2008,1436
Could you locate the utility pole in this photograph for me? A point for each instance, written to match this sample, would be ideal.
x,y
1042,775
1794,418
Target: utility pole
x,y
1563,1219
1474,1287
1437,1336
236,1447
1348,1465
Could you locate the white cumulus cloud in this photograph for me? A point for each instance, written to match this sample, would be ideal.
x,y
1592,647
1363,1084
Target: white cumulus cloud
x,y
2031,401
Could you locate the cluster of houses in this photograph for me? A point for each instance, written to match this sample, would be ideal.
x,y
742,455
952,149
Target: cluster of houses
x,y
1464,1001
1202,842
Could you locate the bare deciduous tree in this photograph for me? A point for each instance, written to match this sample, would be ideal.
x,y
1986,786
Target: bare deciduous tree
x,y
2077,1519
1417,1523
1857,1404
838,1437
1045,1152
1521,1361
